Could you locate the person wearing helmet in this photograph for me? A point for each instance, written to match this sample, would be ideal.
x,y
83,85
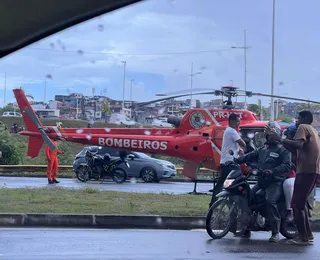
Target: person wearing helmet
x,y
273,164
288,184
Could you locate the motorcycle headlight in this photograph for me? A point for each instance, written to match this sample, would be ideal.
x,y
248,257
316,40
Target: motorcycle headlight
x,y
227,183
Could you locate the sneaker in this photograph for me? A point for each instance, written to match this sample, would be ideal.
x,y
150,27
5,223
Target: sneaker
x,y
50,181
311,238
297,241
274,238
55,181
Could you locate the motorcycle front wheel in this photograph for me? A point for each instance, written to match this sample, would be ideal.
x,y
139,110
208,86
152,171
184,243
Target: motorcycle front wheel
x,y
119,175
288,230
218,220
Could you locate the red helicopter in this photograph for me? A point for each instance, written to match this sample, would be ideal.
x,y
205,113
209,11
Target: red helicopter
x,y
196,137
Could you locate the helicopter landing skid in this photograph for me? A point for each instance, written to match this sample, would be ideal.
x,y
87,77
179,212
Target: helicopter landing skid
x,y
194,192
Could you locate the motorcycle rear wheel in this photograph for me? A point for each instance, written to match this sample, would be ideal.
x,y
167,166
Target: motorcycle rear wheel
x,y
119,175
84,173
213,217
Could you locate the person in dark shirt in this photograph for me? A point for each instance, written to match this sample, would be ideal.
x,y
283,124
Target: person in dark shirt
x,y
274,163
306,143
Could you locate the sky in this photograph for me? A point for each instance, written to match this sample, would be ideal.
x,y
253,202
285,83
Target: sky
x,y
160,39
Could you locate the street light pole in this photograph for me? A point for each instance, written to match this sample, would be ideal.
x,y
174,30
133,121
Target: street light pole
x,y
244,47
191,76
131,99
272,65
124,83
245,67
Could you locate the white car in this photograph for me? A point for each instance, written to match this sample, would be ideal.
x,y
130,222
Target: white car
x,y
12,114
121,119
163,123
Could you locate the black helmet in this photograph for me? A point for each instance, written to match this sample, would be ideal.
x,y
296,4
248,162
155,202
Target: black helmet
x,y
290,131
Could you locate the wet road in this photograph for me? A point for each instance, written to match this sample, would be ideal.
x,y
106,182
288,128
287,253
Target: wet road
x,y
168,187
163,186
96,244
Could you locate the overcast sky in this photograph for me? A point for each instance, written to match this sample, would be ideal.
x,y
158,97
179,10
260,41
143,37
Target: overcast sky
x,y
160,39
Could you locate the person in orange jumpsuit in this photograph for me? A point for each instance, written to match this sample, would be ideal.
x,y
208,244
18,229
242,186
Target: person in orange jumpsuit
x,y
53,163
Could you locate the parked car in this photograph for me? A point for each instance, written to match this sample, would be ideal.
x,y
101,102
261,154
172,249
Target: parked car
x,y
141,165
10,114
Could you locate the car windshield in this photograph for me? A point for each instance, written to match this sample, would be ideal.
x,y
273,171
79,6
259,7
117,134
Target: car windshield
x,y
142,155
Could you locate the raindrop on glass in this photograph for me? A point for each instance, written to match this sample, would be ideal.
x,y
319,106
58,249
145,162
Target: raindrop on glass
x,y
208,123
88,136
107,130
100,27
159,220
255,172
91,122
80,52
202,121
251,135
63,47
133,180
93,61
52,45
147,132
49,76
79,131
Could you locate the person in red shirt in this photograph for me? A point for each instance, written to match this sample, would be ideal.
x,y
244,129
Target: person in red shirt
x,y
53,163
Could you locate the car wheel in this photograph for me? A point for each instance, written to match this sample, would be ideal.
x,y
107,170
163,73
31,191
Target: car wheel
x,y
148,174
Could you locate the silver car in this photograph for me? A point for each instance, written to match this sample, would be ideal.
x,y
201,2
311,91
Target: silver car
x,y
141,165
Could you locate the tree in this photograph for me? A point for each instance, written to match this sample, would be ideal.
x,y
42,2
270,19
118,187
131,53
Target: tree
x,y
285,118
105,108
254,108
10,152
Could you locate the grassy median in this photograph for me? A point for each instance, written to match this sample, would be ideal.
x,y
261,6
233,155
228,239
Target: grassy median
x,y
91,200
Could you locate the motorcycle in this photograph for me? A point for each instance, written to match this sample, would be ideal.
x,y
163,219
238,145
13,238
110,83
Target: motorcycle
x,y
247,209
99,166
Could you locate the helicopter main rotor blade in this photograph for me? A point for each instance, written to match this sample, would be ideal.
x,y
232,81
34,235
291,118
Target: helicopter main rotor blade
x,y
141,104
284,97
184,91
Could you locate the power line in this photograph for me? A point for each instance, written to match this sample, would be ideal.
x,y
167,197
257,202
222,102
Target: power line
x,y
132,54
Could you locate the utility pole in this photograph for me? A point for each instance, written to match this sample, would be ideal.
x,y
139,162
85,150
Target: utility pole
x,y
244,47
45,91
191,76
272,64
124,83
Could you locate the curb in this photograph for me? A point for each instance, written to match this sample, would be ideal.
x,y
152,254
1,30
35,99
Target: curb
x,y
111,221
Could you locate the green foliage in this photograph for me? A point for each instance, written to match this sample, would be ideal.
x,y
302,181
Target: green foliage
x,y
10,150
67,157
6,109
105,108
285,118
254,108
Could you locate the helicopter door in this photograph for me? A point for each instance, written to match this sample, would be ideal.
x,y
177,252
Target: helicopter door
x,y
217,136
